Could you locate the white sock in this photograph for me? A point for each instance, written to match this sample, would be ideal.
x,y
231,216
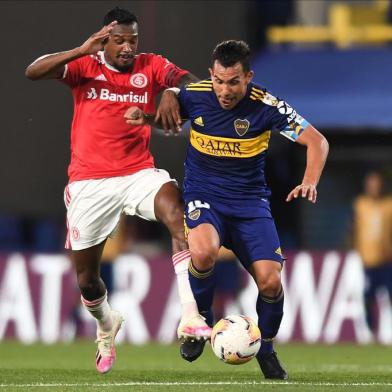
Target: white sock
x,y
100,309
181,262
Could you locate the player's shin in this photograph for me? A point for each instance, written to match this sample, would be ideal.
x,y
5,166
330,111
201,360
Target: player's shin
x,y
203,286
270,313
181,262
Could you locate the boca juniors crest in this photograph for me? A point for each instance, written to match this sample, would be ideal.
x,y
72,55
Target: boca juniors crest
x,y
241,126
194,215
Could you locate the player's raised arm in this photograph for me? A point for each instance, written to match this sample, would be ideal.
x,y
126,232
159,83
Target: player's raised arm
x,y
51,66
317,151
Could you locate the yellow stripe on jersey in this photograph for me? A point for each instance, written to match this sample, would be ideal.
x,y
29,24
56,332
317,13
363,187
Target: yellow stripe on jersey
x,y
186,228
257,94
257,90
198,89
229,147
201,82
204,85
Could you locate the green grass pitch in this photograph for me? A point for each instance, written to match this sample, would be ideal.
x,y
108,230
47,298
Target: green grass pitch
x,y
70,367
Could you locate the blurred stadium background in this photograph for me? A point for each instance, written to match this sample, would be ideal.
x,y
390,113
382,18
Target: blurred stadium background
x,y
331,60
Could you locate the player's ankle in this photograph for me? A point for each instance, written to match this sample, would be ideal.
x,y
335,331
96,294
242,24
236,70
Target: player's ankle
x,y
266,346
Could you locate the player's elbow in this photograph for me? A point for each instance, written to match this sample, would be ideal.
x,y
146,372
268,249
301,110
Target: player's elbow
x,y
318,143
324,145
30,73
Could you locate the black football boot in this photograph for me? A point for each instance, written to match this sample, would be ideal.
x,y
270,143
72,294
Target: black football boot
x,y
271,366
191,349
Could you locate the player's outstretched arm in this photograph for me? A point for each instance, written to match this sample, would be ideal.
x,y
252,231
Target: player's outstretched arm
x,y
136,116
51,66
317,151
168,113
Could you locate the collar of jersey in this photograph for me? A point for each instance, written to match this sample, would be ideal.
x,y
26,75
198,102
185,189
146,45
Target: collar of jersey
x,y
102,57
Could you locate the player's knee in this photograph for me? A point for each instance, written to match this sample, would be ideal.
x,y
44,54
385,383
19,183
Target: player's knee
x,y
204,256
269,285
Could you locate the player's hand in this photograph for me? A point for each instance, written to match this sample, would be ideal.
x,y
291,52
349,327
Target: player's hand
x,y
168,113
135,116
96,42
306,191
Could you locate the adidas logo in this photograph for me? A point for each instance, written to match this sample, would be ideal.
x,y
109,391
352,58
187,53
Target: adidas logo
x,y
101,77
199,121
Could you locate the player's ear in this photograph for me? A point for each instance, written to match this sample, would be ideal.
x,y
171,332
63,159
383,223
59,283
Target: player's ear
x,y
249,76
211,73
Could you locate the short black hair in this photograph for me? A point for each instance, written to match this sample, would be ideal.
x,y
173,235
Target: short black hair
x,y
231,52
122,16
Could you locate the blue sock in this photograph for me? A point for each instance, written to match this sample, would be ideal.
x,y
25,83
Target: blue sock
x,y
270,313
203,285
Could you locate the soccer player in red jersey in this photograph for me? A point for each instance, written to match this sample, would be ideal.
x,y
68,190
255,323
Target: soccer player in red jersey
x,y
112,170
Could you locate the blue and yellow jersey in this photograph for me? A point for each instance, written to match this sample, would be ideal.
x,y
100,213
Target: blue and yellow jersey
x,y
227,149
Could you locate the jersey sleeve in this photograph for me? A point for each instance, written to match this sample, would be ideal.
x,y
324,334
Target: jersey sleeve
x,y
185,103
73,72
284,119
166,73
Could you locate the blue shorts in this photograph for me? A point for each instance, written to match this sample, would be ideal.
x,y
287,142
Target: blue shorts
x,y
251,238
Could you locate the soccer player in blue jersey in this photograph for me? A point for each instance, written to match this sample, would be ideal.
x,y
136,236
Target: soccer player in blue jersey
x,y
225,191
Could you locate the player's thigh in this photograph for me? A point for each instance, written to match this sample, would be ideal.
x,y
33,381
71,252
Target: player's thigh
x,y
205,227
86,261
255,239
169,206
204,236
93,211
144,189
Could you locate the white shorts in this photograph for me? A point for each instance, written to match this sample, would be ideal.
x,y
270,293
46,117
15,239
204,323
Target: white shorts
x,y
94,207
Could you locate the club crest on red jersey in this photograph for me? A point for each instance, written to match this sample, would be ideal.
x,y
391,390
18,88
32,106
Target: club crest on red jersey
x,y
138,80
75,233
241,126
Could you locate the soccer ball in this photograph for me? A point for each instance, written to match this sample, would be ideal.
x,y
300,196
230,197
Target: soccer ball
x,y
235,339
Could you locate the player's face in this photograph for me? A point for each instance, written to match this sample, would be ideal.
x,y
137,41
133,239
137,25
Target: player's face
x,y
230,84
120,49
